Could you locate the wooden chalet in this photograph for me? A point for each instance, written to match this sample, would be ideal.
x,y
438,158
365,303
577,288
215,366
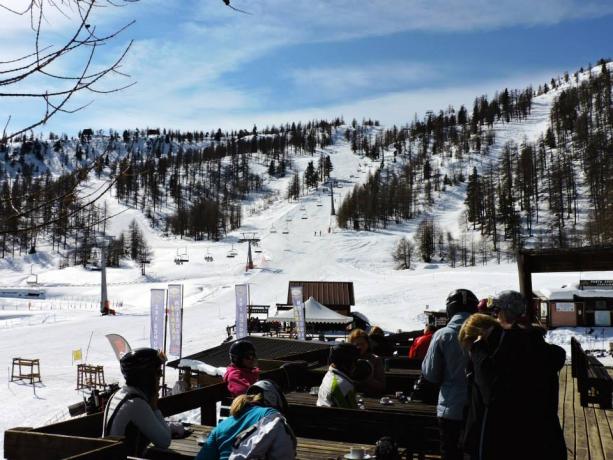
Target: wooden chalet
x,y
336,295
588,303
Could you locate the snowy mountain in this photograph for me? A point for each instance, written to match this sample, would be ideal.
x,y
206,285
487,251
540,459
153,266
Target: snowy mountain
x,y
300,239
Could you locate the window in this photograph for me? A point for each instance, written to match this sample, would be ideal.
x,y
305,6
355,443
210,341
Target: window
x,y
600,305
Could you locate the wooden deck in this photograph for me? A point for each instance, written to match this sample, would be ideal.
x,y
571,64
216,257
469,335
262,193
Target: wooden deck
x,y
588,430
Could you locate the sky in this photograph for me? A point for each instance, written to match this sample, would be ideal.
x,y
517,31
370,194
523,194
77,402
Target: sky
x,y
201,65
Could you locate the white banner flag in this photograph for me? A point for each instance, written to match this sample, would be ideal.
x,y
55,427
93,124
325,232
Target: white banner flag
x,y
175,318
156,334
242,300
298,312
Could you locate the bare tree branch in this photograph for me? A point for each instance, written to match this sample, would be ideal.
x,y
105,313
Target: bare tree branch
x,y
38,62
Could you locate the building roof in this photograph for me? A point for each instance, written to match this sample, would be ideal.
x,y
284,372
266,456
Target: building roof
x,y
314,312
570,291
328,293
265,347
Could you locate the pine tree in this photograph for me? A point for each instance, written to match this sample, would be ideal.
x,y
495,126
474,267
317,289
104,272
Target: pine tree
x,y
403,252
425,239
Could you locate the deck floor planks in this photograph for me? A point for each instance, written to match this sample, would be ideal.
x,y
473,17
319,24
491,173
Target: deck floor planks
x,y
593,434
568,420
606,438
581,435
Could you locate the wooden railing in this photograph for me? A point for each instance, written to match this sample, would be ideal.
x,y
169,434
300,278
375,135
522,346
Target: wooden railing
x,y
594,382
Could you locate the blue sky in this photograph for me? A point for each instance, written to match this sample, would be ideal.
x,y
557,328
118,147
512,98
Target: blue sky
x,y
200,65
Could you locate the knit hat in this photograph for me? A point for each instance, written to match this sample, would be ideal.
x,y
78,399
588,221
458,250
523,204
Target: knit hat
x,y
511,302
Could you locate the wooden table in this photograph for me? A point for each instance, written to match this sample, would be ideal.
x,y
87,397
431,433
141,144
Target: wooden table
x,y
371,404
308,449
413,425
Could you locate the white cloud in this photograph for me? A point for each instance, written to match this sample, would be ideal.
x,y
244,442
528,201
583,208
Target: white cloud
x,y
323,20
344,80
393,108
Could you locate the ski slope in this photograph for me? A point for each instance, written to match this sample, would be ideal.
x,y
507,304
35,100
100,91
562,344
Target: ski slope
x,y
314,249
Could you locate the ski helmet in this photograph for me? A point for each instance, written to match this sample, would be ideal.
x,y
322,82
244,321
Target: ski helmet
x,y
461,300
239,350
272,395
139,361
344,356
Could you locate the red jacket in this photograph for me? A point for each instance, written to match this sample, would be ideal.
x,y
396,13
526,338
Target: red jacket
x,y
238,379
420,346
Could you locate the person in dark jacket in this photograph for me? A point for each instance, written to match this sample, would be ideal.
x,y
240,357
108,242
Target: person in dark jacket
x,y
373,384
380,345
513,375
445,365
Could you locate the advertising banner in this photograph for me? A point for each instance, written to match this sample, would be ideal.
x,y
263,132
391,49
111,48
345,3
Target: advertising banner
x,y
242,300
157,316
299,312
175,319
119,344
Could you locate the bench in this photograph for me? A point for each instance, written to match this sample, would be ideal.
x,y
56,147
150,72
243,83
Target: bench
x,y
594,382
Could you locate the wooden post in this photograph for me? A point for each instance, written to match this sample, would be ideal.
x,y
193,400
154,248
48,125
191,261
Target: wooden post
x,y
525,283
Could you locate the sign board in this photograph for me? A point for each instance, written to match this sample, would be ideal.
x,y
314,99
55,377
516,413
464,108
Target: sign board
x,y
565,306
175,318
242,315
157,317
298,304
596,284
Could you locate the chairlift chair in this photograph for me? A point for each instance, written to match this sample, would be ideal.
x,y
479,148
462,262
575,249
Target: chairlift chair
x,y
304,216
273,229
32,280
285,230
208,257
232,252
181,257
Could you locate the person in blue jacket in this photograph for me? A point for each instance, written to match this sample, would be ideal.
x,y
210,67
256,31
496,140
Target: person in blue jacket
x,y
445,365
256,428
